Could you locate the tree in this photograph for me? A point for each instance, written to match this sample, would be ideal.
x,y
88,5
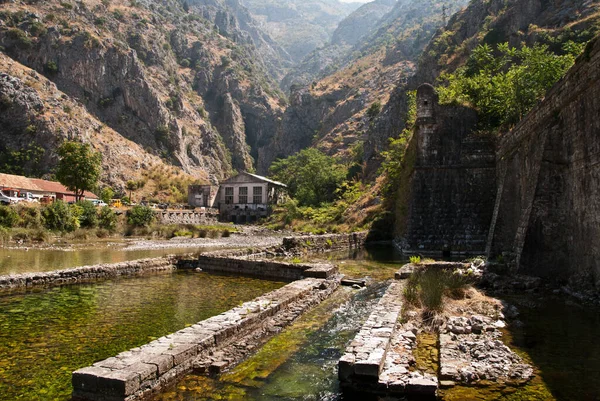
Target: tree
x,y
312,177
131,186
79,167
107,194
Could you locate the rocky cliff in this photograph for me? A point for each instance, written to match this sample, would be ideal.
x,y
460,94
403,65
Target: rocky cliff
x,y
184,83
331,112
300,26
36,117
495,21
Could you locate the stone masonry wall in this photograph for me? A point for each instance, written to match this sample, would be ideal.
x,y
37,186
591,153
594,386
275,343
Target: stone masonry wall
x,y
86,273
327,242
453,184
225,262
207,216
547,212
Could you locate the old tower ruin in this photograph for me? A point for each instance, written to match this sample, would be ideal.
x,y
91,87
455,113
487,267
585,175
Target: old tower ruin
x,y
453,185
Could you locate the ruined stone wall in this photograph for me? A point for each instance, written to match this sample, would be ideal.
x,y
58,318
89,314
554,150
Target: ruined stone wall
x,y
547,212
85,274
327,242
453,182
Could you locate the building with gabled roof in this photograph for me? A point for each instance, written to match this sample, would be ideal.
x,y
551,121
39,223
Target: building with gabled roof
x,y
243,198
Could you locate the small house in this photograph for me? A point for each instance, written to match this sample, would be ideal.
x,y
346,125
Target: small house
x,y
244,198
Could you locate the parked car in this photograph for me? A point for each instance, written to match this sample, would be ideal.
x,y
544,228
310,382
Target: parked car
x,y
116,203
29,197
7,200
98,202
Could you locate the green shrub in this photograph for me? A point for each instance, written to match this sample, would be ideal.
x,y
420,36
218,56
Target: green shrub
x,y
432,283
4,235
58,216
107,219
88,216
374,109
140,216
226,233
20,37
31,217
415,260
9,218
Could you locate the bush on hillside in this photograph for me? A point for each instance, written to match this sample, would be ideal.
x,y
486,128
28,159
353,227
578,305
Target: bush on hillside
x,y
88,216
107,219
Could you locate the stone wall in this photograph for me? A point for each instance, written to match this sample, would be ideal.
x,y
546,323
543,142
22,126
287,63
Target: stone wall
x,y
452,187
327,242
87,273
141,372
250,265
547,212
202,216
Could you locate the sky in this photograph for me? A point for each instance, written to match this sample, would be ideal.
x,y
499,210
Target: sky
x,y
355,1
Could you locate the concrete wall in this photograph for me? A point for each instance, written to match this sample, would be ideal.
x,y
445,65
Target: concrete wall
x,y
453,183
547,212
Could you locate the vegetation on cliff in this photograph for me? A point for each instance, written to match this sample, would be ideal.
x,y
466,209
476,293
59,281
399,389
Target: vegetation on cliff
x,y
503,84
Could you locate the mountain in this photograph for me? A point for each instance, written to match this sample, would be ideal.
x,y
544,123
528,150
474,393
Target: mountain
x,y
330,112
300,26
185,81
492,22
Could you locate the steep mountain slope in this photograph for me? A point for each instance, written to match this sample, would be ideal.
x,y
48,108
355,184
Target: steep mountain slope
x,y
300,26
360,23
36,117
483,21
184,83
331,113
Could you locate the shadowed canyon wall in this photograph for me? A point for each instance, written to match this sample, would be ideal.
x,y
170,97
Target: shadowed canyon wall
x,y
547,212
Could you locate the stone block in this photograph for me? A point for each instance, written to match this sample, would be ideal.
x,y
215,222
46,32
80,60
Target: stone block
x,y
164,363
370,368
217,367
346,366
118,383
422,386
182,353
86,379
146,371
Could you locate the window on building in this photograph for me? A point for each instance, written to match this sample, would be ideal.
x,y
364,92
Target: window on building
x,y
257,195
228,195
243,195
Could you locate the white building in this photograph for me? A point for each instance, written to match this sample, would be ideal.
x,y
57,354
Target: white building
x,y
243,198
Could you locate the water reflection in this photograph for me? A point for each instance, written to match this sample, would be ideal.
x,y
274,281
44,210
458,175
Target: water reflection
x,y
14,261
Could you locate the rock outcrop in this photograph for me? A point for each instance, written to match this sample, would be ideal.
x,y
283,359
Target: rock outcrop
x,y
158,74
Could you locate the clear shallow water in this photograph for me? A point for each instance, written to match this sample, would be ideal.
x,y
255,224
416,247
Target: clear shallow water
x,y
557,336
46,335
298,364
14,261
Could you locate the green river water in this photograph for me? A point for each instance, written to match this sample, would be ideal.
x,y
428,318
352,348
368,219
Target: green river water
x,y
45,335
14,261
